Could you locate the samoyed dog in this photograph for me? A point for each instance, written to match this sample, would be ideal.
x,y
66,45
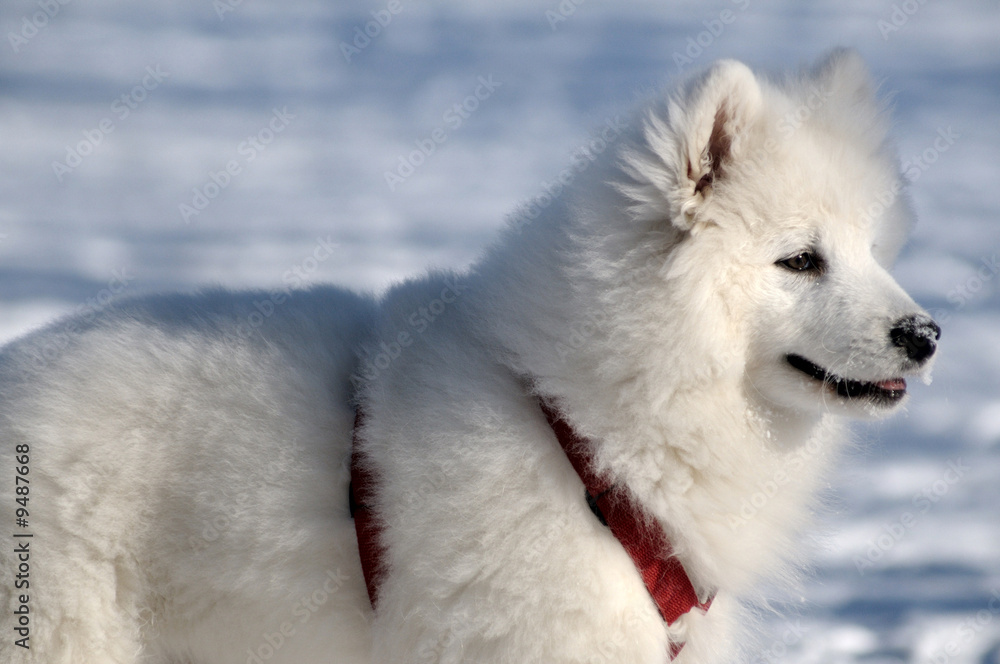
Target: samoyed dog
x,y
590,447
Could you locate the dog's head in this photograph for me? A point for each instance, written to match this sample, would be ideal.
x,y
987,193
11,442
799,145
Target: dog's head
x,y
788,198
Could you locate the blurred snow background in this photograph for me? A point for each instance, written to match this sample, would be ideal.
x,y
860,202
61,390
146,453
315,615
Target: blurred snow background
x,y
142,103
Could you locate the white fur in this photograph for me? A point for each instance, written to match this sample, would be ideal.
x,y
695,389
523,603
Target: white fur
x,y
189,453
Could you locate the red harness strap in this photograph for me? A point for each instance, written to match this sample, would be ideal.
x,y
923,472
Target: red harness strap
x,y
648,546
365,522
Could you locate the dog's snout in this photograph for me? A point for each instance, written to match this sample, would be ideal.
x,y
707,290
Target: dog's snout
x,y
917,336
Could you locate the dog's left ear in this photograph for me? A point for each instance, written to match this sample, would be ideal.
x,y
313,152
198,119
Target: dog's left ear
x,y
717,113
682,153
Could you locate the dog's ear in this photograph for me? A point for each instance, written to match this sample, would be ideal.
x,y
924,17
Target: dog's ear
x,y
718,111
685,150
843,75
848,96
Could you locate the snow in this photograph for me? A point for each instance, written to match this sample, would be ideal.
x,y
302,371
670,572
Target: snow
x,y
200,87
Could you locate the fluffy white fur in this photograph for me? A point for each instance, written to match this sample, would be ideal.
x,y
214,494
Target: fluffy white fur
x,y
189,453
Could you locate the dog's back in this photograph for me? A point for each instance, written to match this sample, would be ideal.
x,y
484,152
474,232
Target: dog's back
x,y
159,441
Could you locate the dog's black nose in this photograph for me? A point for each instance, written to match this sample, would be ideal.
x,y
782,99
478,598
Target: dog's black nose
x,y
917,335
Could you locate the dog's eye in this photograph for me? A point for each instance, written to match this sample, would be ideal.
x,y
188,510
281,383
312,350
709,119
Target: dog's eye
x,y
804,262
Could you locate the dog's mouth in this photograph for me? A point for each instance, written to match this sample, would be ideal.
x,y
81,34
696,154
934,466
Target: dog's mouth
x,y
883,392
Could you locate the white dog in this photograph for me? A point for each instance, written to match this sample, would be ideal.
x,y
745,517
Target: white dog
x,y
661,343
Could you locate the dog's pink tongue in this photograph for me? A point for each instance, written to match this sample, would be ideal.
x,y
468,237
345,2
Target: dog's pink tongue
x,y
897,384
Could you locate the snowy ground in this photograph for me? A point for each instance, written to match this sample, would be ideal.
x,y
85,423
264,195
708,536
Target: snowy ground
x,y
145,104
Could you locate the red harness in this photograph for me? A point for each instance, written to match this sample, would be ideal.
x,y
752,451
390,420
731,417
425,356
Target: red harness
x,y
646,543
365,523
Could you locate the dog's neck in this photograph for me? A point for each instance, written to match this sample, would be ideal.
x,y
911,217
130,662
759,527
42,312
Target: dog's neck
x,y
756,486
667,412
